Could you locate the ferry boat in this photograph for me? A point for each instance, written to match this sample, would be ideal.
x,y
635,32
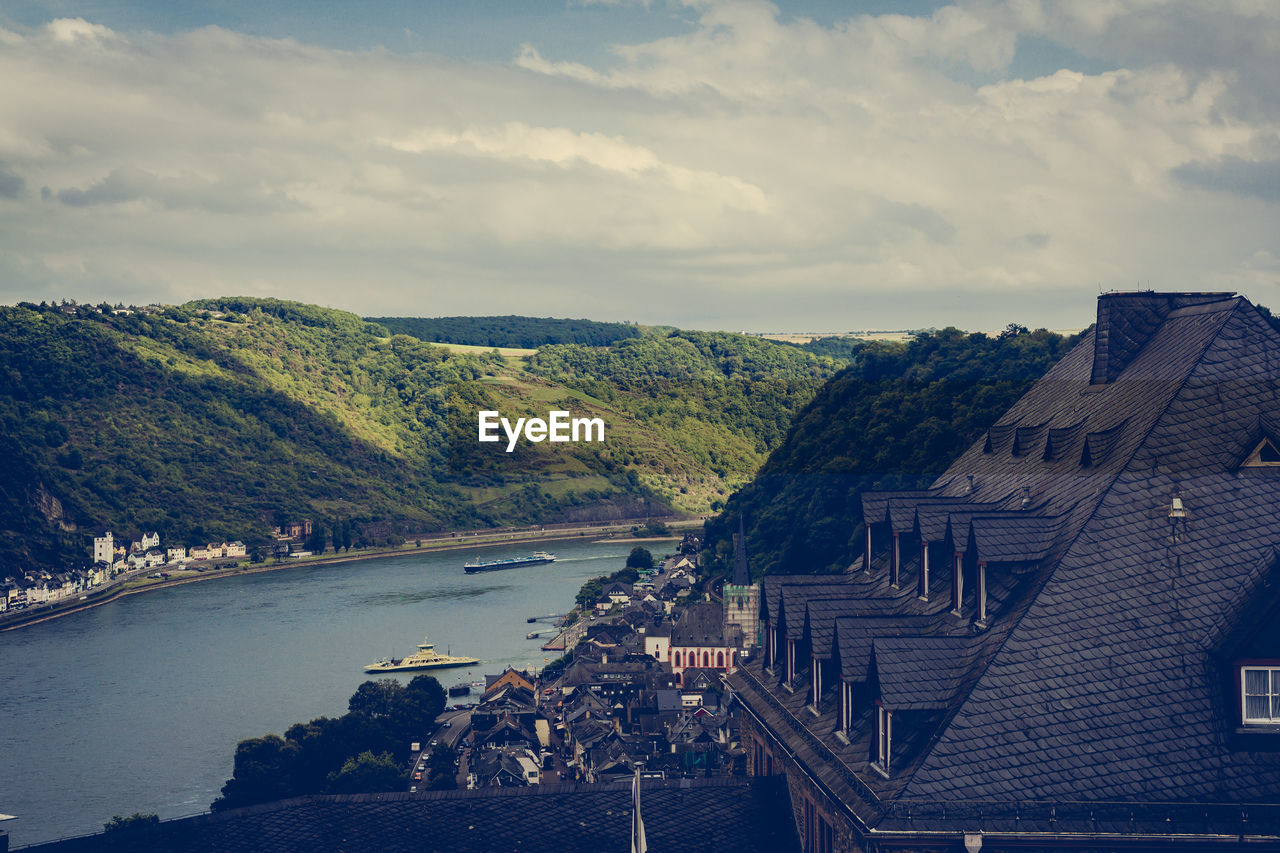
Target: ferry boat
x,y
533,559
426,657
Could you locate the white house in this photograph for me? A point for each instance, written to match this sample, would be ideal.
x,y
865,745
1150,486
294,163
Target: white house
x,y
150,540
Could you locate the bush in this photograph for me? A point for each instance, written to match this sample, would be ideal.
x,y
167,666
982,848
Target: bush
x,y
639,558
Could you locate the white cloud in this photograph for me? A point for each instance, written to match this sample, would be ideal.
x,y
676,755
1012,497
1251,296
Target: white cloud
x,y
754,166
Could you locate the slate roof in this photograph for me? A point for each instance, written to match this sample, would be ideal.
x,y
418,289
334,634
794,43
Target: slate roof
x,y
821,615
777,583
1100,678
921,673
1009,538
1121,684
701,624
934,517
876,505
855,636
689,814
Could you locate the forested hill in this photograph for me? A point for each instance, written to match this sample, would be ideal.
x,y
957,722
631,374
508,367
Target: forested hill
x,y
508,331
894,418
221,418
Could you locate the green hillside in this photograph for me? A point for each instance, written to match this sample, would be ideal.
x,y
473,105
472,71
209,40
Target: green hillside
x,y
894,418
508,331
222,418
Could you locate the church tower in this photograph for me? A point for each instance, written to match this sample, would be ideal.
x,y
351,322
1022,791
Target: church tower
x,y
742,597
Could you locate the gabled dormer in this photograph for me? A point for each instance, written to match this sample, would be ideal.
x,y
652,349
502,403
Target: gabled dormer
x,y
1246,658
1260,446
1264,455
914,680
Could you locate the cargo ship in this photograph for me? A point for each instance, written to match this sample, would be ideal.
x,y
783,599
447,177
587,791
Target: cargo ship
x,y
533,559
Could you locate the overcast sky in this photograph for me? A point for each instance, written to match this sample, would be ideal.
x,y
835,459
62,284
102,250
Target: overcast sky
x,y
735,165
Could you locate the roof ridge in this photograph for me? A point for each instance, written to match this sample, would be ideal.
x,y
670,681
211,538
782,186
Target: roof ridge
x,y
1026,608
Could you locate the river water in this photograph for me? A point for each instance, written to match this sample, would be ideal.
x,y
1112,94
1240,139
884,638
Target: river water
x,y
138,705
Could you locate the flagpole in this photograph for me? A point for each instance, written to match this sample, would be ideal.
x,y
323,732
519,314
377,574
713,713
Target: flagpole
x,y
638,844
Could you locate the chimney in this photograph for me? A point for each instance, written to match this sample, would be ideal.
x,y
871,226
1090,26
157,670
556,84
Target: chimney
x,y
1127,321
1026,496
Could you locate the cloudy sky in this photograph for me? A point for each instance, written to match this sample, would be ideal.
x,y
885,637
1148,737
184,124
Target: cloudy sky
x,y
813,165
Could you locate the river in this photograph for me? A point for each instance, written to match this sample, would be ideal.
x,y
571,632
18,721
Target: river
x,y
138,705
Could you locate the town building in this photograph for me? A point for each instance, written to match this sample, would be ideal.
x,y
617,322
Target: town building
x,y
104,548
742,598
1071,639
696,638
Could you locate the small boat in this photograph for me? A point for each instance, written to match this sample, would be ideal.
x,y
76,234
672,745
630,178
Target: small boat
x,y
426,657
533,559
462,688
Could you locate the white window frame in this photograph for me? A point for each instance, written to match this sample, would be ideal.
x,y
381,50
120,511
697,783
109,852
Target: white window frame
x,y
884,739
1273,688
846,706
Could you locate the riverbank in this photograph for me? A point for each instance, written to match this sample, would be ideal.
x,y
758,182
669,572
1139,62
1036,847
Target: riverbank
x,y
452,541
157,690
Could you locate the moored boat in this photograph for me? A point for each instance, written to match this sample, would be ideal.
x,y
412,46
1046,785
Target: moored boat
x,y
426,657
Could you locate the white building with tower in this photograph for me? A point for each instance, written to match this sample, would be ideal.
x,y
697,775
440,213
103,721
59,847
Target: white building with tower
x,y
104,548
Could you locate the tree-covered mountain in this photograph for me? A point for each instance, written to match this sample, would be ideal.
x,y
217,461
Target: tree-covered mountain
x,y
222,418
508,331
894,418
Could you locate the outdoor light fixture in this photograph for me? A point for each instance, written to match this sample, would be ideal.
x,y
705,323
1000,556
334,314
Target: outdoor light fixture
x,y
1177,520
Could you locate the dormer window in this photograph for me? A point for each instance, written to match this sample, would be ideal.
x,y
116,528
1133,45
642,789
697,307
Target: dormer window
x,y
1265,455
1260,695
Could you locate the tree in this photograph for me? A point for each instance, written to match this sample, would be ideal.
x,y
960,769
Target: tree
x,y
639,558
367,773
424,700
132,823
263,771
627,575
377,699
138,831
442,775
315,542
590,591
392,714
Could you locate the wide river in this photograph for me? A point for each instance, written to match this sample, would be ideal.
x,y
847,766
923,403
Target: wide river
x,y
138,705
